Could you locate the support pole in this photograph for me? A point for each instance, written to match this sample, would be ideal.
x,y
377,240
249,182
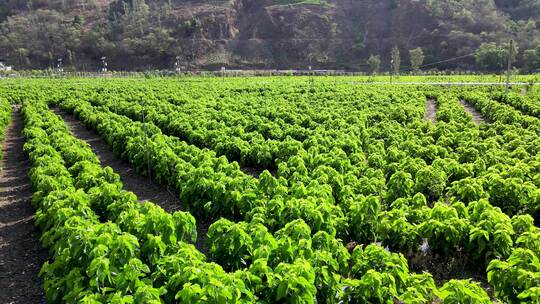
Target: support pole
x,y
392,70
509,68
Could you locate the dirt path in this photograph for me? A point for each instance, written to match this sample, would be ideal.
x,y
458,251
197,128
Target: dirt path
x,y
145,188
477,118
255,172
431,111
21,254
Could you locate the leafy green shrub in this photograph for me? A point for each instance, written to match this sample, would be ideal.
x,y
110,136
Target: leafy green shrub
x,y
444,230
513,279
463,292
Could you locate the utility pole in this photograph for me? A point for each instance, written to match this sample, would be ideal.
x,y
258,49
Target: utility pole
x,y
391,70
509,68
501,64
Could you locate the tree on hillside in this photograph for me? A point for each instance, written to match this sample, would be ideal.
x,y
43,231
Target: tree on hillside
x,y
139,6
531,59
56,38
493,57
374,63
396,60
416,57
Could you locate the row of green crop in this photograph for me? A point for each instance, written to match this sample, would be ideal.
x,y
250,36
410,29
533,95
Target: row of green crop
x,y
210,185
242,245
399,176
491,232
5,119
341,148
515,277
265,132
418,147
106,246
528,104
514,187
500,112
206,181
440,162
365,217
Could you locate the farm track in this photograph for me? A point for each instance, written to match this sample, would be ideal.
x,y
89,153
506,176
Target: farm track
x,y
431,111
477,117
21,254
145,188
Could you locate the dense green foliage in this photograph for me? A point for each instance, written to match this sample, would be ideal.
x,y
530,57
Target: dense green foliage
x,y
353,188
5,119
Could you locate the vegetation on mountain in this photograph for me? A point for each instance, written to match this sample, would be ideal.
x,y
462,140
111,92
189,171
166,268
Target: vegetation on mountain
x,y
143,34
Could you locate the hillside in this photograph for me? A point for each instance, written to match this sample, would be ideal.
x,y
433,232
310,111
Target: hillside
x,y
139,34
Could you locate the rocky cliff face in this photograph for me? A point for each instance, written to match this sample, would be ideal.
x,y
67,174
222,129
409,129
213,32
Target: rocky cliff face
x,y
256,33
337,34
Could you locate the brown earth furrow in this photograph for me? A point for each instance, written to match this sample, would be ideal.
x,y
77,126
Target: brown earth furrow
x,y
145,188
477,117
431,111
21,254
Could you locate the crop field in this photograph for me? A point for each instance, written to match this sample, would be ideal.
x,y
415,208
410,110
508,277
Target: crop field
x,y
270,190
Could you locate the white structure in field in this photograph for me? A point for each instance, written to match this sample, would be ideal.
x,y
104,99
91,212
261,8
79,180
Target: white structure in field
x,y
4,67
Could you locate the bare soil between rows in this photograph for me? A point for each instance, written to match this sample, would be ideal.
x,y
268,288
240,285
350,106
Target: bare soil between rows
x,y
477,117
145,188
431,111
255,172
21,254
